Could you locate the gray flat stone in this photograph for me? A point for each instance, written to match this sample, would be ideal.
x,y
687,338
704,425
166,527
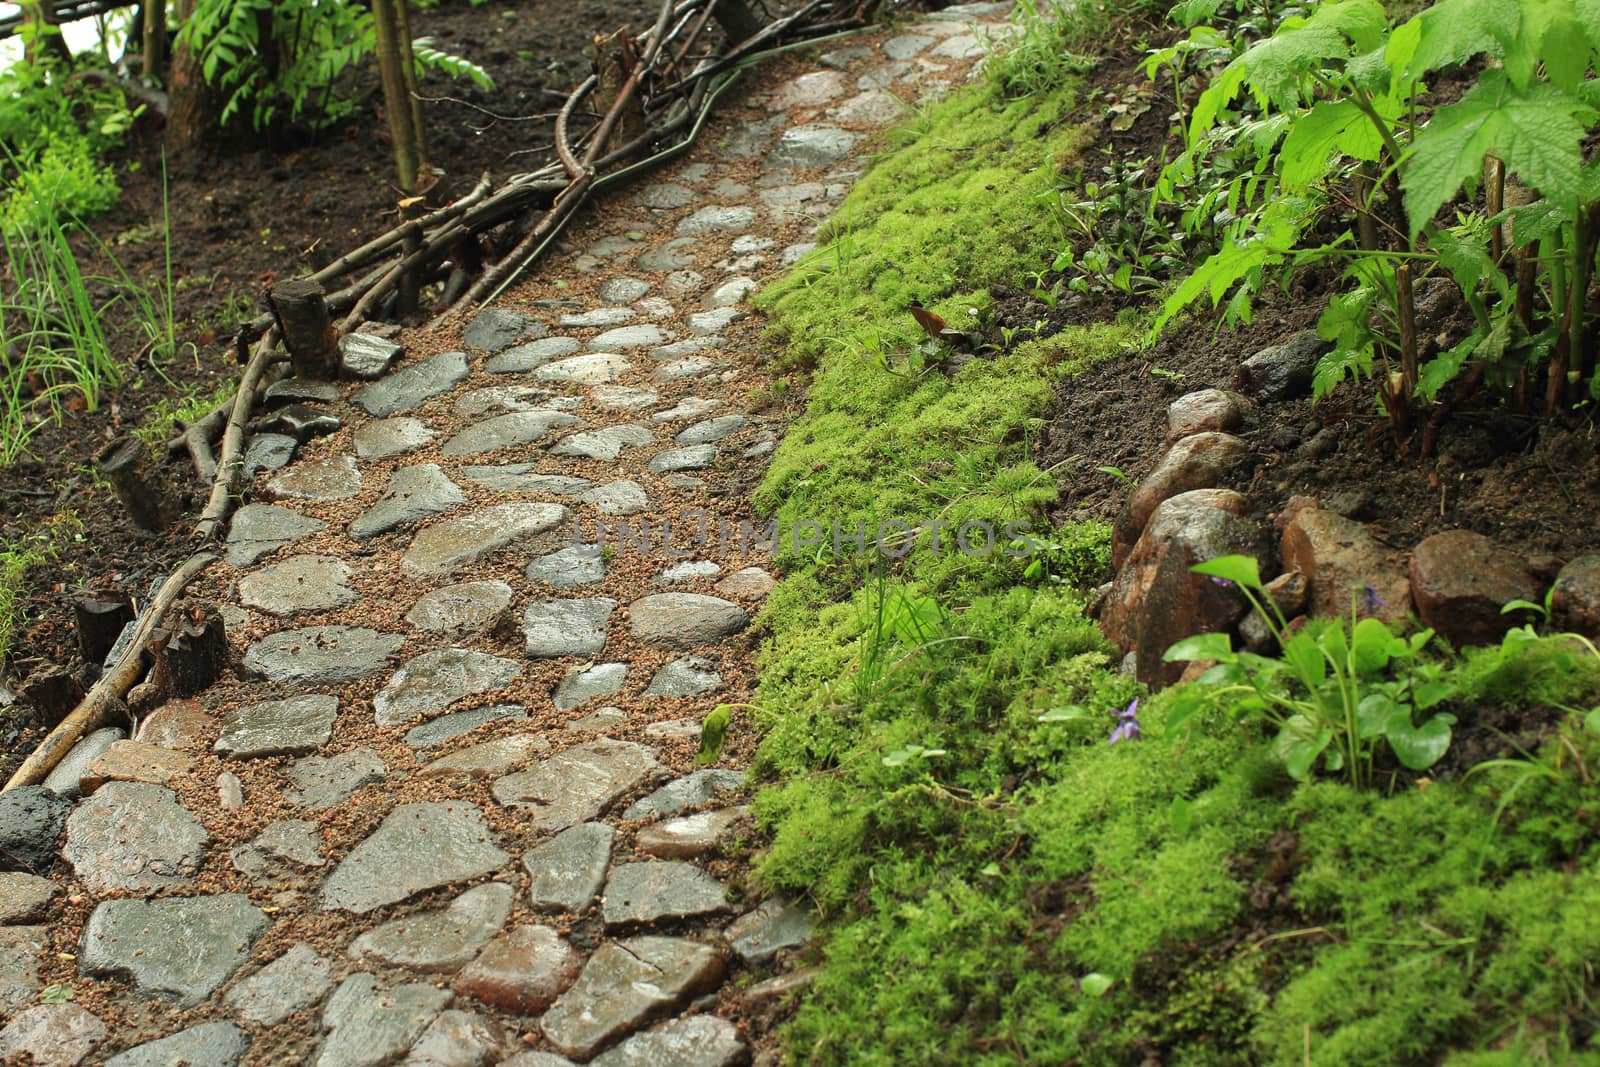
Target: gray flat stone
x,y
297,726
963,46
749,138
656,307
371,1025
685,677
814,145
677,254
883,75
177,948
615,245
688,571
363,355
522,970
497,328
268,452
906,46
573,786
704,433
625,337
503,431
449,727
592,369
875,107
604,444
511,398
321,655
454,543
687,347
731,292
684,620
66,779
431,682
659,889
598,318
692,1041
568,870
665,196
617,498
776,924
491,759
258,529
626,984
462,610
690,407
287,391
685,282
750,582
624,290
299,421
295,980
21,950
212,1044
809,90
409,386
569,567
583,684
566,627
679,369
417,847
299,583
333,478
391,437
134,836
51,1035
524,478
709,323
458,1038
691,791
624,397
327,781
283,847
844,57
440,941
690,835
796,252
691,458
718,219
532,355
25,898
600,721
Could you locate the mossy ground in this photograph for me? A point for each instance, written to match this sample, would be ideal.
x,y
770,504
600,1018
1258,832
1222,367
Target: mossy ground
x,y
1002,885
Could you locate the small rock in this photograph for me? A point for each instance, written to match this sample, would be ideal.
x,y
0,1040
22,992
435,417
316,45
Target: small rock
x,y
691,791
416,848
815,145
686,677
690,407
362,355
663,196
808,90
905,46
1459,582
704,433
462,610
213,1044
774,925
592,369
1204,411
566,627
491,759
327,781
583,684
67,778
1195,462
677,254
710,323
176,948
371,1025
684,282
674,730
624,290
718,219
298,726
444,940
751,582
598,318
623,986
1341,560
1575,604
409,386
688,571
600,720
568,870
258,529
268,452
135,761
448,727
458,1039
569,567
454,543
522,971
623,397
1284,371
24,898
497,328
679,369
616,498
692,1041
299,422
504,431
293,981
392,437
21,950
604,444
532,355
626,337
575,785
321,655
299,583
689,836
133,836
51,1035
431,682
693,458
230,791
524,478
286,391
333,478
684,620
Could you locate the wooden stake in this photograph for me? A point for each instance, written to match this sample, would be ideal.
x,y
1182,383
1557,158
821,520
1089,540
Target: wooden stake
x,y
308,334
191,651
125,464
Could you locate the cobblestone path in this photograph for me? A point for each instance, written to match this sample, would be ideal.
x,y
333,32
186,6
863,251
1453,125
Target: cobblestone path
x,y
447,812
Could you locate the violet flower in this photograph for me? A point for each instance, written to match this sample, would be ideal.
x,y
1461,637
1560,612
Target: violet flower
x,y
1370,599
1127,724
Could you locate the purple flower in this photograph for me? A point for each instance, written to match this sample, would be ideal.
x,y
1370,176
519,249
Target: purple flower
x,y
1226,583
1370,599
1127,723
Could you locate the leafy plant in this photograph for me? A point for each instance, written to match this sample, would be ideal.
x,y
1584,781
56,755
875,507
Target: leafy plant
x,y
1333,694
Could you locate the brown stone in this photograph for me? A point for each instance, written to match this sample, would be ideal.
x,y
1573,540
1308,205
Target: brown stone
x,y
1195,462
1156,600
1204,411
1341,560
135,761
690,835
1575,605
1460,580
179,724
54,1035
1288,591
24,898
522,971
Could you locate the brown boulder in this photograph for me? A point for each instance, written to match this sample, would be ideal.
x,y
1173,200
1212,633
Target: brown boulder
x,y
1341,561
1460,580
135,761
1156,601
1204,411
1195,462
1576,603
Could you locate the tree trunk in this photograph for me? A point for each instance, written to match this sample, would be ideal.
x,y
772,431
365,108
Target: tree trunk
x,y
42,32
394,56
196,107
125,464
100,618
308,333
155,40
191,650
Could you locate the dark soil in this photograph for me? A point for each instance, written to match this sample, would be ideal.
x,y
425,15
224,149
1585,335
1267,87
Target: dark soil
x,y
243,215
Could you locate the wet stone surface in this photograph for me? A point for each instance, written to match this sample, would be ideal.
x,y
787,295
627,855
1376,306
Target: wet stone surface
x,y
258,529
576,785
431,682
134,836
567,871
444,940
297,726
327,781
463,609
417,847
177,948
659,889
299,583
321,655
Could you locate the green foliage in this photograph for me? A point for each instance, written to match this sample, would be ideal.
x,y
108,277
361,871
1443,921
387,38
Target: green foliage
x,y
34,547
52,132
1332,694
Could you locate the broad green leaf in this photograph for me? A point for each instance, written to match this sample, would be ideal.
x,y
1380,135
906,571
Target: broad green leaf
x,y
1373,713
1277,66
1453,31
1305,659
1442,369
1589,18
1363,21
1223,674
1188,702
1339,364
1370,642
1418,747
1312,139
1537,132
1549,33
1425,695
1467,260
1070,713
1299,744
1241,570
1200,646
1591,721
